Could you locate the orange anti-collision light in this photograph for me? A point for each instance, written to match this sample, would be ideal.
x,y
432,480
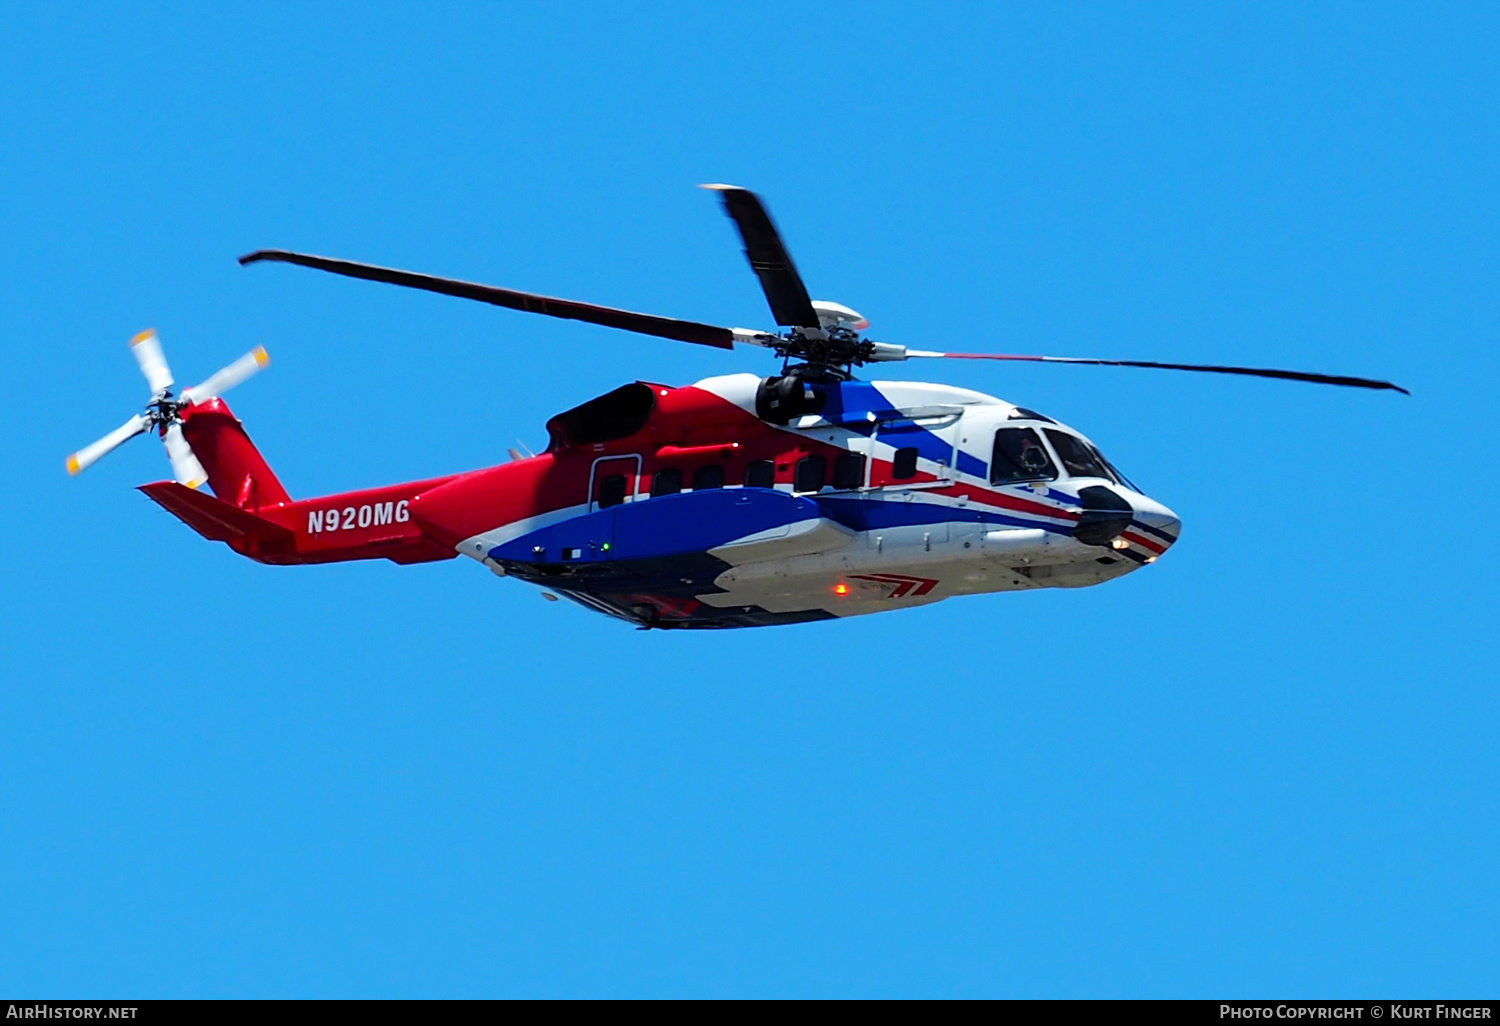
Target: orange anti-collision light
x,y
841,589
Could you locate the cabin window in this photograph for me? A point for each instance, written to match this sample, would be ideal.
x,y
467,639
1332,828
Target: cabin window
x,y
709,476
1019,456
848,470
811,471
1077,458
904,464
760,474
611,491
667,481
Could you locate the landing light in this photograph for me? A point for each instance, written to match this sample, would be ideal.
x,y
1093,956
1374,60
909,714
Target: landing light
x,y
1119,544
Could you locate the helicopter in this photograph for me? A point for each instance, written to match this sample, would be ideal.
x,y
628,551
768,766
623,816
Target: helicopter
x,y
737,501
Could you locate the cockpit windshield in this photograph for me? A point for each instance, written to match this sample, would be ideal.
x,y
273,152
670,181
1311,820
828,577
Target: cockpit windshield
x,y
1080,459
1114,471
1077,458
1020,456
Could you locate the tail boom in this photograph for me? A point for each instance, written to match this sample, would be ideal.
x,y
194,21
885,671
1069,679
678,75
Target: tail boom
x,y
252,513
375,523
371,524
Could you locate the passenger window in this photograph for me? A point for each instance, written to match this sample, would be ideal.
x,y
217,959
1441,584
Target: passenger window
x,y
904,465
760,474
710,476
811,471
667,481
1019,456
1077,459
848,470
612,491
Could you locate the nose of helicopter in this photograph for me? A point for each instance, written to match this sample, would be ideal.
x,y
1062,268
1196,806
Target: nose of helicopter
x,y
1156,527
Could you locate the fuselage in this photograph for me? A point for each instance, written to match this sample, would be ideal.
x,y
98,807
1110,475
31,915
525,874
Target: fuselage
x,y
687,507
735,502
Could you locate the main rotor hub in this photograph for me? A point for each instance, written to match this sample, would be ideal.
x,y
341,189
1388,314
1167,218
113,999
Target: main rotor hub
x,y
830,353
164,409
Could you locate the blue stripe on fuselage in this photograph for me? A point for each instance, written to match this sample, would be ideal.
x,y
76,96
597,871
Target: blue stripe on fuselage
x,y
904,434
1163,535
971,465
851,404
663,526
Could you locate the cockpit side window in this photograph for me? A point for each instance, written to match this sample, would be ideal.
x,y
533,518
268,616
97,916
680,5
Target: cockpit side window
x,y
1077,458
1020,456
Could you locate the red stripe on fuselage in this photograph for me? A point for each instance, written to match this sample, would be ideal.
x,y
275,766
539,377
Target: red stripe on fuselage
x,y
1144,542
1005,501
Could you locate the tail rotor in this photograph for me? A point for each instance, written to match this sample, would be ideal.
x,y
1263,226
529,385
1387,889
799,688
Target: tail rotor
x,y
146,348
89,454
164,412
228,377
185,466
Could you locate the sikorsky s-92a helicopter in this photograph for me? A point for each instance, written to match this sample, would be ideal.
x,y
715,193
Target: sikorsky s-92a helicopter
x,y
739,501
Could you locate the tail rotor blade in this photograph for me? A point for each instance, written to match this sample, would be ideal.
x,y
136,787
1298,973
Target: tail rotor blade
x,y
230,376
89,454
1341,380
147,350
185,466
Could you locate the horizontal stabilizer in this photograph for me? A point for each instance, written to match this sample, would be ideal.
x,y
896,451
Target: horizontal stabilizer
x,y
213,518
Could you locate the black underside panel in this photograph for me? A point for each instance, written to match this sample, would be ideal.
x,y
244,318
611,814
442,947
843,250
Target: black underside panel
x,y
660,593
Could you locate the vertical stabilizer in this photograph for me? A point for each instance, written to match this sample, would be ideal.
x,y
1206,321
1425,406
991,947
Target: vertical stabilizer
x,y
237,472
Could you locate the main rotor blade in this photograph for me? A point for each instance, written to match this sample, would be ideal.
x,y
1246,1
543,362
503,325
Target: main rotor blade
x,y
1253,372
645,324
146,348
90,454
230,376
768,258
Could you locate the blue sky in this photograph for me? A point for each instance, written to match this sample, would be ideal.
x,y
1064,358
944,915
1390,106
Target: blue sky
x,y
1265,765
